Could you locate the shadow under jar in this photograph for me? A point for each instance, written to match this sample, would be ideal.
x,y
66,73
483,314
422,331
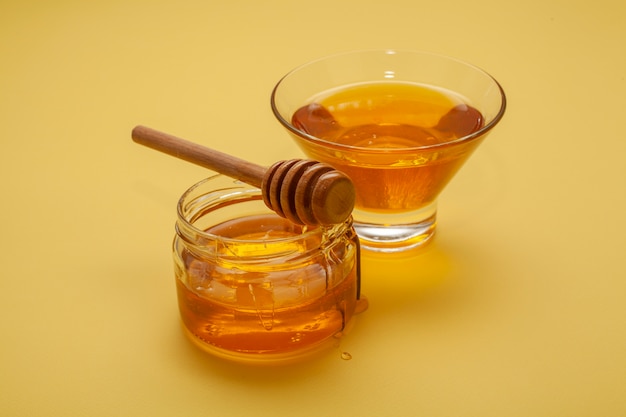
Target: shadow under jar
x,y
254,287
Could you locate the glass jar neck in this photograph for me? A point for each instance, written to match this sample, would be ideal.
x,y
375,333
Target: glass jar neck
x,y
214,220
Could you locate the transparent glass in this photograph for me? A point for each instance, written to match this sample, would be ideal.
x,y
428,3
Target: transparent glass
x,y
397,180
253,287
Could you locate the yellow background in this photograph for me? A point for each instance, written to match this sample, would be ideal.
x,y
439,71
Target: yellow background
x,y
517,309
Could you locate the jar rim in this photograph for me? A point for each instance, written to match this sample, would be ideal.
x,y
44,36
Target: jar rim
x,y
244,192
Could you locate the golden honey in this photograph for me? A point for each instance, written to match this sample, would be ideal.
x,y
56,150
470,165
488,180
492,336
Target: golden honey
x,y
254,287
381,123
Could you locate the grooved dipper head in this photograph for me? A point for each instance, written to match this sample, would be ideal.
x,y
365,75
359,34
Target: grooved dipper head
x,y
308,192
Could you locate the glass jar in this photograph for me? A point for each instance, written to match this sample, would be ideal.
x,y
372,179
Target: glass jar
x,y
254,287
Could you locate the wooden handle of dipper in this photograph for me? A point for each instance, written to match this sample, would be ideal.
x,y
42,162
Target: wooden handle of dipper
x,y
303,191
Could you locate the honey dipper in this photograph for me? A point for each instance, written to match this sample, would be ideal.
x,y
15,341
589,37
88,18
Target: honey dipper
x,y
303,191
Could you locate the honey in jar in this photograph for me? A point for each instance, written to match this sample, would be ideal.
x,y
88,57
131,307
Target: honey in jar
x,y
254,287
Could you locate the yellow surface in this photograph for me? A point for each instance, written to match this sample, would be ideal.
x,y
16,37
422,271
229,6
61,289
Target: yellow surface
x,y
517,309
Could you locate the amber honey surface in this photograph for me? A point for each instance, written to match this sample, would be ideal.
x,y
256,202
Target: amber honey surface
x,y
393,130
266,307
